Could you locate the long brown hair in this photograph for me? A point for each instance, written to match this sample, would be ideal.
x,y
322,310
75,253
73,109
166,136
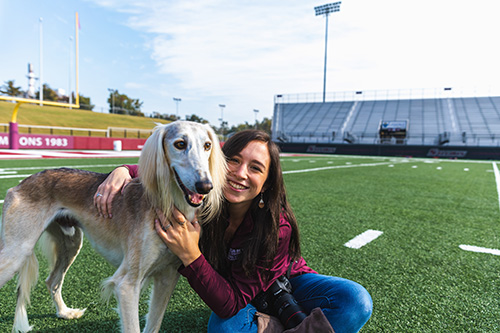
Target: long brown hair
x,y
260,249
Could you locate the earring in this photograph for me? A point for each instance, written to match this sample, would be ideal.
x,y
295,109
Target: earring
x,y
261,202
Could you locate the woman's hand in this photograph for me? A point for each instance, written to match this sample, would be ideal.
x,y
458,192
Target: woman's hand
x,y
115,182
180,236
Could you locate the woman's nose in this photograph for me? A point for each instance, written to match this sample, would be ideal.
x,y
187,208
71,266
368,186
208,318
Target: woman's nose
x,y
240,171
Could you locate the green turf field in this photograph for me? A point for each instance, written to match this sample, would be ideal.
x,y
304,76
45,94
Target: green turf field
x,y
419,278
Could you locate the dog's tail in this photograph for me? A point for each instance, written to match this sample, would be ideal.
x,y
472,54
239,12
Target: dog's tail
x,y
27,278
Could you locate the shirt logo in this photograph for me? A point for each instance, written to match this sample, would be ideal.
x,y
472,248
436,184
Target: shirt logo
x,y
233,254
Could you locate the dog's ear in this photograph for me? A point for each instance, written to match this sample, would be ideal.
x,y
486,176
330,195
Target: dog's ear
x,y
218,170
154,170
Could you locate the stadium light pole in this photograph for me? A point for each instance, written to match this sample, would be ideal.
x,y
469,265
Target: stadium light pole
x,y
256,111
177,100
41,59
222,106
326,10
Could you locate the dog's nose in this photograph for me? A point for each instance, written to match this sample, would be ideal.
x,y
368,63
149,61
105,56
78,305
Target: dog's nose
x,y
203,186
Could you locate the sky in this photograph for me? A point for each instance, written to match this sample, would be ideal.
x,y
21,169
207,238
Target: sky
x,y
242,53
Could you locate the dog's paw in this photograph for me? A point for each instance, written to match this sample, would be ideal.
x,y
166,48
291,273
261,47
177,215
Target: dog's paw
x,y
71,313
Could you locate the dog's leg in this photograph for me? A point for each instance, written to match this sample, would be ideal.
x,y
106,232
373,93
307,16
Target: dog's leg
x,y
164,284
16,255
126,287
61,248
128,292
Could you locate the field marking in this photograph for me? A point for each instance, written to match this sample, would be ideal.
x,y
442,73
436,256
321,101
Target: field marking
x,y
15,176
478,249
1,201
362,239
335,167
497,180
53,167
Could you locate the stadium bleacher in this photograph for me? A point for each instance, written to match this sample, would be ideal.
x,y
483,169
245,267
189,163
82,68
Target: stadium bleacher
x,y
436,121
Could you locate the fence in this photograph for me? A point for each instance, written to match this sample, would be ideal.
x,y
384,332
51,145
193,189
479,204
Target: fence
x,y
110,132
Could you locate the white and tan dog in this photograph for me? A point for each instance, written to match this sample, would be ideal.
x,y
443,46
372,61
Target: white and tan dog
x,y
180,165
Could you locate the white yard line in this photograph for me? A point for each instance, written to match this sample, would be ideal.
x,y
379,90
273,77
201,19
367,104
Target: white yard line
x,y
335,167
61,166
497,179
88,166
362,239
478,249
15,176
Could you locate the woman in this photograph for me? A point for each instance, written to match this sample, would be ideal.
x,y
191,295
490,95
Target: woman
x,y
246,249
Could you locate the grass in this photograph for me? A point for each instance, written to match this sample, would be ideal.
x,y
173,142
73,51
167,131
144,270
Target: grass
x,y
419,278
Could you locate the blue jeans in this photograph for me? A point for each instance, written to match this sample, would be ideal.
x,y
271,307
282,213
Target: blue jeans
x,y
346,305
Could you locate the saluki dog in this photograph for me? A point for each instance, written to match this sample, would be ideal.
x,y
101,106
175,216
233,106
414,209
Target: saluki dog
x,y
181,165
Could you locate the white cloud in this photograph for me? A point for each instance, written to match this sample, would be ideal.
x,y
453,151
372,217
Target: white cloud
x,y
245,52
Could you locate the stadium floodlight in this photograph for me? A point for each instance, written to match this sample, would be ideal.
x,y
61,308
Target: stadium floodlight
x,y
256,111
326,10
177,100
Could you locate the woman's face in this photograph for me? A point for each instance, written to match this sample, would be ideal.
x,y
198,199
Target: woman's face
x,y
248,172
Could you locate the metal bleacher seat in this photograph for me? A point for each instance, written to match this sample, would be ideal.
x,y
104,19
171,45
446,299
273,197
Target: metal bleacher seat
x,y
447,120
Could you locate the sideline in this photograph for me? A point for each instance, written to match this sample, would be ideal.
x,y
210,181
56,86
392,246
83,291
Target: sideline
x,y
497,179
35,154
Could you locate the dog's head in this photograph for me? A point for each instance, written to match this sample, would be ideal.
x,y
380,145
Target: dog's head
x,y
182,164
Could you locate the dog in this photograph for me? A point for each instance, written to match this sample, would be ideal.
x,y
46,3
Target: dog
x,y
181,165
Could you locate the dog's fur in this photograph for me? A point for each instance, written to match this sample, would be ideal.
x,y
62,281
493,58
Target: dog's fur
x,y
59,204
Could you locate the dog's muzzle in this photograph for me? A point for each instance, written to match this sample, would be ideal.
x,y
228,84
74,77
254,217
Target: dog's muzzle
x,y
202,188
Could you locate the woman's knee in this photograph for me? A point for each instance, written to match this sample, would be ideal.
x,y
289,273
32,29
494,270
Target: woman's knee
x,y
243,321
356,302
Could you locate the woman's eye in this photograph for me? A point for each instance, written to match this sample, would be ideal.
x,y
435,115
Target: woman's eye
x,y
181,145
207,146
256,169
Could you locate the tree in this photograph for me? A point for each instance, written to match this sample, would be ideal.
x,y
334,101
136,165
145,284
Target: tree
x,y
196,119
9,89
264,125
171,117
49,94
122,104
85,103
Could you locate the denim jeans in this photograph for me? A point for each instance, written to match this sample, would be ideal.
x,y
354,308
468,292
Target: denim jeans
x,y
346,305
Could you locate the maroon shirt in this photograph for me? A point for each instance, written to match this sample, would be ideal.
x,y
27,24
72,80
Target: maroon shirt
x,y
227,296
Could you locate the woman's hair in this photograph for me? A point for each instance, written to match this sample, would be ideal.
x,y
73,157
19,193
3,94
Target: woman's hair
x,y
260,249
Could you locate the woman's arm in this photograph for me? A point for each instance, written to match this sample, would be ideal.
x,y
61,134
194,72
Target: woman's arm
x,y
225,296
115,182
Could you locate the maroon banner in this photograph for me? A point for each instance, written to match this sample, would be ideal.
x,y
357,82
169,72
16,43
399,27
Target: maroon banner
x,y
42,141
39,141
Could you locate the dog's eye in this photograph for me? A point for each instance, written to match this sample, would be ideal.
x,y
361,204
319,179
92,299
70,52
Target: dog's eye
x,y
181,145
207,146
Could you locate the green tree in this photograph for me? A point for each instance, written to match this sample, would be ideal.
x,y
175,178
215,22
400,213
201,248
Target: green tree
x,y
10,89
170,117
264,125
85,103
122,104
49,94
196,119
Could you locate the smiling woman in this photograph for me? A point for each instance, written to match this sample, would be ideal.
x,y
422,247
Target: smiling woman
x,y
253,246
